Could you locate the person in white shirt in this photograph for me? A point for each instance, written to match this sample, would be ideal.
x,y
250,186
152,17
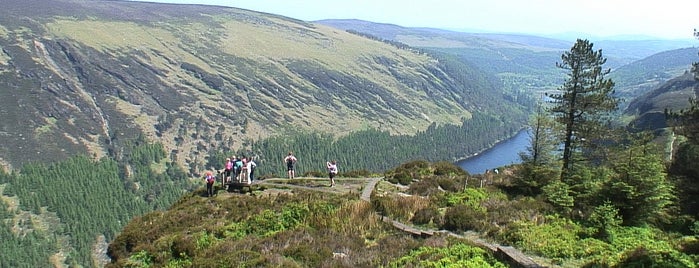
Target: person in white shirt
x,y
332,171
251,165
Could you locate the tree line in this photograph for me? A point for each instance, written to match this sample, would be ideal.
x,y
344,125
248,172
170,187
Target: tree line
x,y
90,197
374,150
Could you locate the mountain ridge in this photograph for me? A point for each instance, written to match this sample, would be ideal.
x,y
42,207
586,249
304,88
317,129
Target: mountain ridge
x,y
109,71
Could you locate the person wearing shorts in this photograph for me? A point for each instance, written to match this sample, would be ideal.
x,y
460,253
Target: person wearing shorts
x,y
290,161
332,171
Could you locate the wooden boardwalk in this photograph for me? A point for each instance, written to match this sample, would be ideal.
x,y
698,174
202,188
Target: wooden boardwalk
x,y
512,256
369,188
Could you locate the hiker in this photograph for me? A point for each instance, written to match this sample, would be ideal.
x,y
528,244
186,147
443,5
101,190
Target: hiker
x,y
210,179
290,161
251,165
332,171
237,168
244,170
227,170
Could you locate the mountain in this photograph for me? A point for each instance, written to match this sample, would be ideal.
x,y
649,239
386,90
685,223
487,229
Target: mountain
x,y
634,79
111,109
523,62
88,76
648,110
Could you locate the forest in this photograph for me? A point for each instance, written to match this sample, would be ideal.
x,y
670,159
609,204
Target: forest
x,y
374,150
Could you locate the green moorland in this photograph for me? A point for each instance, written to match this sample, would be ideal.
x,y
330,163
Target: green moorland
x,y
610,200
66,212
312,225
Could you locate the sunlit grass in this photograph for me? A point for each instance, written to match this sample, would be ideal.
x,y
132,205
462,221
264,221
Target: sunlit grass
x,y
116,36
46,128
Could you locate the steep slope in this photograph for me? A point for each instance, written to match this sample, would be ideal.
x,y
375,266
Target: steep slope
x,y
523,62
647,110
86,76
634,79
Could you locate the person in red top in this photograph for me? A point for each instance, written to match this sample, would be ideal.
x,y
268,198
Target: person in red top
x,y
290,161
227,170
210,179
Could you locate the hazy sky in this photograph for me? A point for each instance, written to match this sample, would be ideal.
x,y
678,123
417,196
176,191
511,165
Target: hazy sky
x,y
665,18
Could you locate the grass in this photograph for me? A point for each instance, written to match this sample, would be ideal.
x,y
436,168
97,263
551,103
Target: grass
x,y
47,128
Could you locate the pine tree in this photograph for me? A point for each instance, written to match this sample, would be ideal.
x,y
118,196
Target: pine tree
x,y
586,96
537,168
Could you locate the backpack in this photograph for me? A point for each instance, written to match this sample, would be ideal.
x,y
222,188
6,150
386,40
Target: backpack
x,y
210,179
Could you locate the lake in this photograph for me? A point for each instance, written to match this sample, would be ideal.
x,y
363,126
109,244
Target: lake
x,y
503,153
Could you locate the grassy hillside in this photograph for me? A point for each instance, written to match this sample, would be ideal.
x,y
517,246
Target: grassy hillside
x,y
85,77
648,110
87,88
305,223
639,77
528,63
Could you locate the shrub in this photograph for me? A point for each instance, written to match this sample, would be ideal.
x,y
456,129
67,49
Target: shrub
x,y
424,187
604,219
448,168
462,218
425,216
559,194
449,184
643,257
307,255
402,177
293,214
140,259
362,173
556,238
407,172
264,224
459,255
415,165
471,197
183,246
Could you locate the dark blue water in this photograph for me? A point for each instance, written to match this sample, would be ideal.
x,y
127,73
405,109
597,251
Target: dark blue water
x,y
503,153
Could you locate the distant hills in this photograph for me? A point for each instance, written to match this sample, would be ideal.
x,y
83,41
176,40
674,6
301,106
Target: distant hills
x,y
648,110
87,76
527,63
80,77
104,79
634,79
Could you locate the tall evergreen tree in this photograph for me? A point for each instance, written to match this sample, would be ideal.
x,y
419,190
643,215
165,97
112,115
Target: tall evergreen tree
x,y
537,168
586,96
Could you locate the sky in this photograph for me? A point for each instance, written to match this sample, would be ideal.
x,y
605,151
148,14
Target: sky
x,y
674,19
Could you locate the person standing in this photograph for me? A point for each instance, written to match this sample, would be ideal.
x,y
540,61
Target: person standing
x,y
237,168
227,170
251,168
210,179
290,161
332,171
